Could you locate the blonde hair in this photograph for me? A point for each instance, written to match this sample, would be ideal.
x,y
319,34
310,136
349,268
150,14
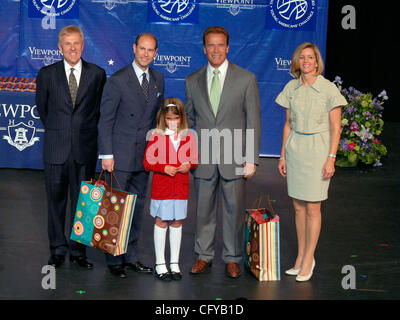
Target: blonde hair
x,y
295,67
68,30
175,105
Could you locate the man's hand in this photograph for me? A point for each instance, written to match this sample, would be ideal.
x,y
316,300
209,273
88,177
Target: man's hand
x,y
108,164
249,170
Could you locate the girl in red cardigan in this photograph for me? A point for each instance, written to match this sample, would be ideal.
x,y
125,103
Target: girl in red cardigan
x,y
171,152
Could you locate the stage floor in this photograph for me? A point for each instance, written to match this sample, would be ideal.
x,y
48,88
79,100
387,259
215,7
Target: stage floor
x,y
360,228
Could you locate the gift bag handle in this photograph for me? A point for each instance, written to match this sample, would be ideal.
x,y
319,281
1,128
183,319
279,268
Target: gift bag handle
x,y
111,179
270,208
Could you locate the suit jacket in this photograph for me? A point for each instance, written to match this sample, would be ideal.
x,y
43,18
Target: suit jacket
x,y
125,117
225,133
67,128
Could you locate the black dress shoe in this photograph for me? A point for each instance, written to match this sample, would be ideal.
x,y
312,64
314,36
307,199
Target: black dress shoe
x,y
175,275
56,260
117,270
138,267
81,261
162,276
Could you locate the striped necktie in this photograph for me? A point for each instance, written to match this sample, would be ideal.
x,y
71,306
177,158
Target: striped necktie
x,y
73,86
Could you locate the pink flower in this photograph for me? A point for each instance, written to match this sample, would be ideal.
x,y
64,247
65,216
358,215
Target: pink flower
x,y
352,145
376,140
354,126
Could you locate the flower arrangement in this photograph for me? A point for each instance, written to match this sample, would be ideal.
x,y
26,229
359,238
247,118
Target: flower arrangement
x,y
362,124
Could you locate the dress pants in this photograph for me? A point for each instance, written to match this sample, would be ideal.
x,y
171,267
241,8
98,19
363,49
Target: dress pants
x,y
134,182
59,179
233,200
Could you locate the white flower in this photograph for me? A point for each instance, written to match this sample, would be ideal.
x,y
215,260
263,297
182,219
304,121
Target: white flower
x,y
364,134
383,95
338,80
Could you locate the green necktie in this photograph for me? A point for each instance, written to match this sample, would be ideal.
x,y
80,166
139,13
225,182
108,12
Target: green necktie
x,y
215,91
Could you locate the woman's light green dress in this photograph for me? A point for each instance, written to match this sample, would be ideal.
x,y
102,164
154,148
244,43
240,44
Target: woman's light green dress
x,y
307,146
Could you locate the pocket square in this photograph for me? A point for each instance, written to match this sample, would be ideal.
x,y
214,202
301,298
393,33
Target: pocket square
x,y
158,94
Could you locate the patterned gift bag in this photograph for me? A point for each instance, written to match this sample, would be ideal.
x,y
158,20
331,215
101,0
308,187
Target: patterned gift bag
x,y
103,217
262,244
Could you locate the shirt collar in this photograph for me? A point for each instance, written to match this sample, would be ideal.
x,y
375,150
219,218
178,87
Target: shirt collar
x,y
222,68
317,85
169,132
139,72
77,67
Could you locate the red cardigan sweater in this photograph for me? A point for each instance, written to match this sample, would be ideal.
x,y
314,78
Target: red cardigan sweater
x,y
161,152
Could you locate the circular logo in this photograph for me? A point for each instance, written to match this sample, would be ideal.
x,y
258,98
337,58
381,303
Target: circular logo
x,y
54,8
47,60
173,10
98,222
114,231
78,228
112,218
79,214
97,237
85,189
114,199
96,194
292,13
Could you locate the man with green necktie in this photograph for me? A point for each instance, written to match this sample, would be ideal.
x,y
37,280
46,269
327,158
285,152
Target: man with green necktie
x,y
222,101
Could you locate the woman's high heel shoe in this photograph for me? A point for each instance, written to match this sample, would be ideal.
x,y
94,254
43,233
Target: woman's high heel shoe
x,y
292,272
300,278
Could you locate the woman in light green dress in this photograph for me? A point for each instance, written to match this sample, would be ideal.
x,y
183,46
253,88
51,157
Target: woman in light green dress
x,y
310,139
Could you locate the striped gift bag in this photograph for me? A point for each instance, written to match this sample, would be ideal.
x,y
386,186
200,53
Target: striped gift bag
x,y
262,244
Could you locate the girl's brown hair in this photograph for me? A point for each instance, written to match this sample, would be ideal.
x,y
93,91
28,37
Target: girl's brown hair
x,y
175,105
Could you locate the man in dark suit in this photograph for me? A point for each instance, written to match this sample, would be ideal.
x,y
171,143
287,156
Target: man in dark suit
x,y
68,99
222,101
131,99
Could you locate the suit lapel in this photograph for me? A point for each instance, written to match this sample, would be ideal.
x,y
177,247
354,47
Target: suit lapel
x,y
134,83
153,88
62,79
229,80
83,83
202,83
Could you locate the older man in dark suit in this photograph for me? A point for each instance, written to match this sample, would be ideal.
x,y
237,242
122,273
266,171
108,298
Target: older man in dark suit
x,y
68,99
222,101
131,99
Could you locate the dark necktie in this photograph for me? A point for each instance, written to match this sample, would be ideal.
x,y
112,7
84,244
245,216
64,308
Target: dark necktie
x,y
145,87
73,86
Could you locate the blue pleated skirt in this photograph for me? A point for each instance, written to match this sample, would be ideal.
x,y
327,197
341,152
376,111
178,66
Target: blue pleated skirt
x,y
169,209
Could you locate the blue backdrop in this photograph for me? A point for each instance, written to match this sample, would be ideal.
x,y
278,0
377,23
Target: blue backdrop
x,y
263,36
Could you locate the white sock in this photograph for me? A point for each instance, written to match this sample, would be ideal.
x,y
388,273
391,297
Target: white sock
x,y
175,236
159,246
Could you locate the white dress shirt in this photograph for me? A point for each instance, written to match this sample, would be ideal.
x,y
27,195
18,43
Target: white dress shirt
x,y
139,72
77,71
223,68
171,134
